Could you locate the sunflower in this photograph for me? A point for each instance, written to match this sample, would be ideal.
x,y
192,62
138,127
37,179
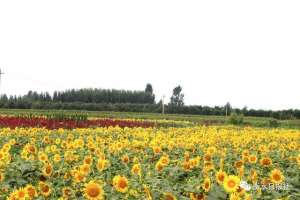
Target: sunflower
x,y
211,150
206,185
88,160
245,153
53,148
46,139
45,189
262,148
136,169
31,191
164,160
159,166
194,162
276,176
78,177
207,157
266,161
85,169
12,196
31,149
12,141
186,166
47,170
67,192
102,164
43,157
147,192
238,164
21,194
194,196
234,196
252,159
57,141
56,158
93,191
169,196
79,143
220,176
120,183
125,159
6,147
208,166
157,149
245,159
231,183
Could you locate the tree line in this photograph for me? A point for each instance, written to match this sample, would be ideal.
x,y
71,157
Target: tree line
x,y
88,95
94,99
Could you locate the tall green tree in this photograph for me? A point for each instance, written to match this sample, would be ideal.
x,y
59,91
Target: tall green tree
x,y
227,108
177,98
149,88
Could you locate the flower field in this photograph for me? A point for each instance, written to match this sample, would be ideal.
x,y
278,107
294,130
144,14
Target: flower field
x,y
42,122
14,122
150,163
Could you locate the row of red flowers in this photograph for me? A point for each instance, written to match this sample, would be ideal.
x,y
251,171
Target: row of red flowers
x,y
14,122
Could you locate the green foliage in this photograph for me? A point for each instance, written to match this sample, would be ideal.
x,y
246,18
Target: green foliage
x,y
104,96
149,88
273,123
65,116
56,116
236,119
20,173
85,95
177,98
209,116
227,108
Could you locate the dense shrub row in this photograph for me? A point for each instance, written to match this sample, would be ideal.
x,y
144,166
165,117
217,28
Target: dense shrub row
x,y
150,108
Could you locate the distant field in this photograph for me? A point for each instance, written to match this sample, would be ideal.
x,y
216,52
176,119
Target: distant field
x,y
198,119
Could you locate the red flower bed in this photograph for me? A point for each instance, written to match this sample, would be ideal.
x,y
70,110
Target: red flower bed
x,y
14,122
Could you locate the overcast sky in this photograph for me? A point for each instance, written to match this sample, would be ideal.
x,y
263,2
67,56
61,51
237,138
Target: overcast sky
x,y
244,52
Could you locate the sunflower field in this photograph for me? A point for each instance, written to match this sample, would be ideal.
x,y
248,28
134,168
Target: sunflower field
x,y
149,163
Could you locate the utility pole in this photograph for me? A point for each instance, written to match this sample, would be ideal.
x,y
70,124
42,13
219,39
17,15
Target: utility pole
x,y
163,104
